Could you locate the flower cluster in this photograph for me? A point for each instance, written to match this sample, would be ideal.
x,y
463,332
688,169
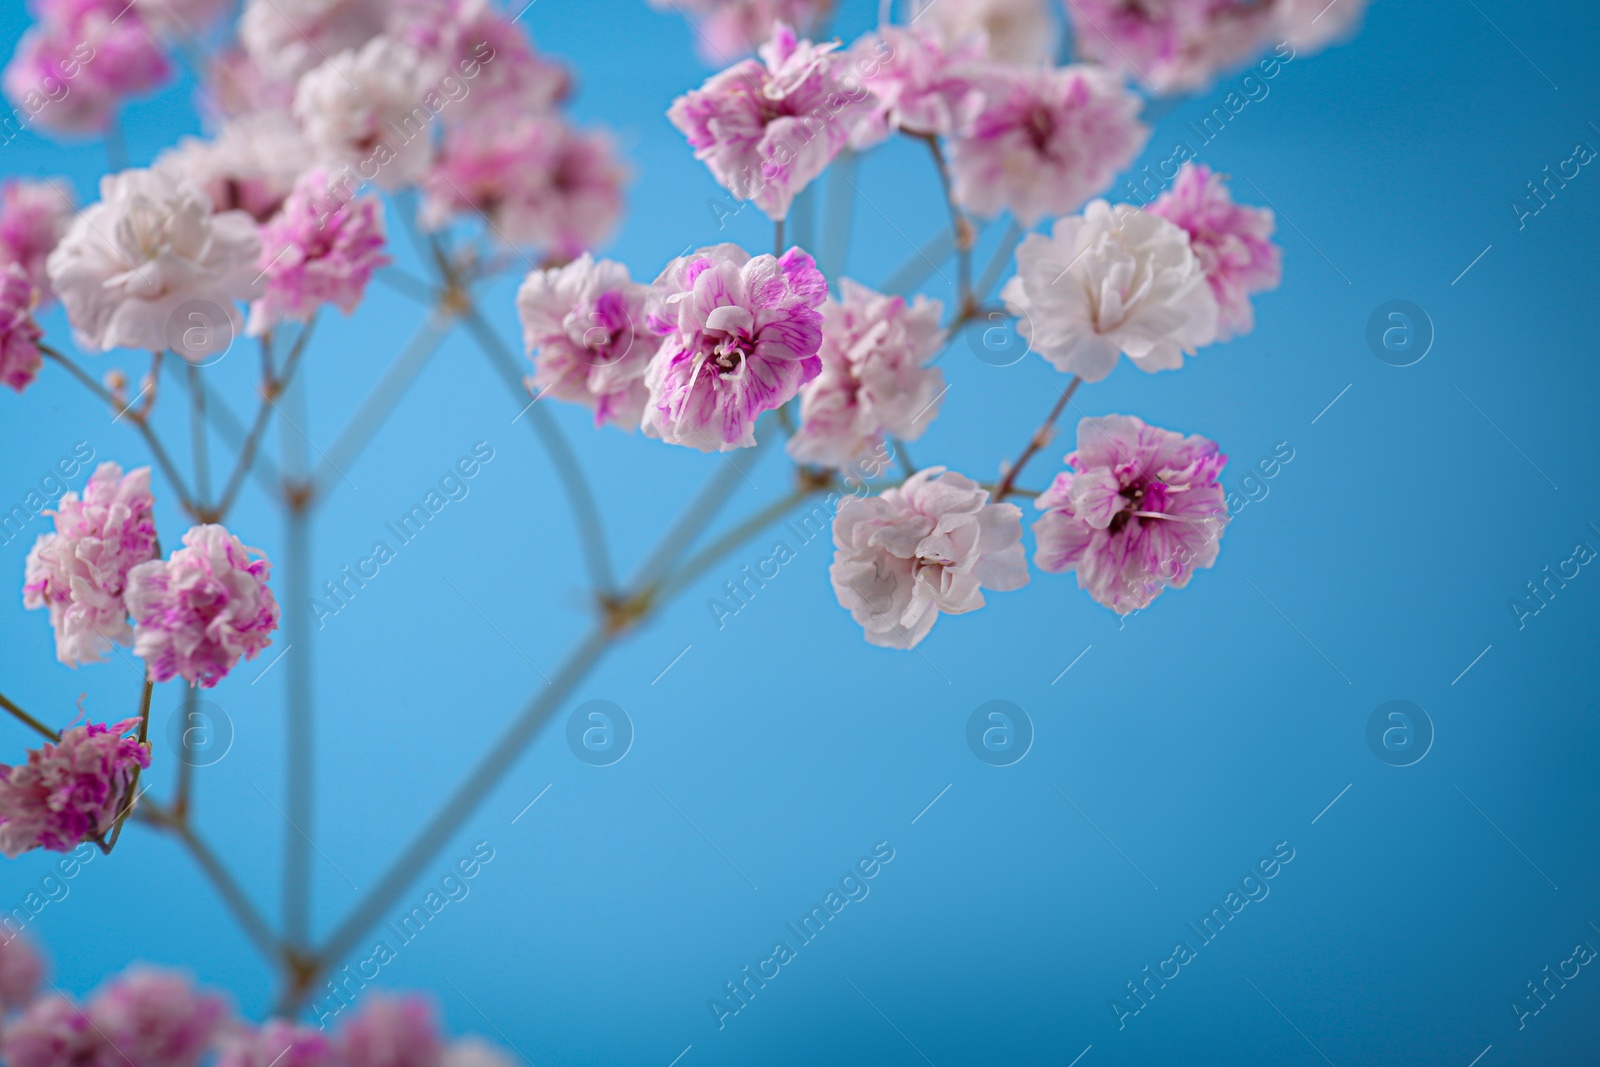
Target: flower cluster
x,y
80,60
33,217
317,251
69,789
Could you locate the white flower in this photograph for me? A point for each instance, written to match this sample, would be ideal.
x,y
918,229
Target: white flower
x,y
1018,32
1110,281
366,109
286,38
932,545
475,1052
129,263
251,164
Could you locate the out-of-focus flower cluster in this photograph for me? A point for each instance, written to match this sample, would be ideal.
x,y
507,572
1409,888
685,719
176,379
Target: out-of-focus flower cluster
x,y
154,1017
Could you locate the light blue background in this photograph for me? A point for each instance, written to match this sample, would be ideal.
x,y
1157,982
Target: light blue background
x,y
1195,737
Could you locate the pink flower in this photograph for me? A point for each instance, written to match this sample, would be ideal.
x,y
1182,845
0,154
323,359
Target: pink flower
x,y
80,572
766,130
468,40
1233,243
277,1043
1046,141
535,180
317,251
250,165
729,29
874,378
391,1032
33,217
740,337
919,83
156,1018
21,971
1139,510
584,326
198,611
236,86
287,38
72,68
54,1032
19,334
932,545
70,790
1170,45
1109,281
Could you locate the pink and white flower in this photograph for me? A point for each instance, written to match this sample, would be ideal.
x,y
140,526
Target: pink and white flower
x,y
469,40
767,129
1110,281
53,1031
196,613
21,971
1015,32
1139,510
277,1043
729,29
20,358
287,38
740,336
67,791
929,546
318,250
1233,243
1170,46
33,217
82,58
535,180
365,109
250,165
391,1032
156,1018
1045,141
80,571
919,83
584,327
1311,25
875,380
128,263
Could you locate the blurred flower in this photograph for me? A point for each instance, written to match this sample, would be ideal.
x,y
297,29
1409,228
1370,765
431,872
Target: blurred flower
x,y
874,378
250,165
80,572
740,337
277,1043
767,129
535,181
67,791
196,613
1311,25
317,250
1170,46
470,42
20,359
1045,141
287,38
33,216
365,108
1016,32
150,245
1140,510
1108,281
72,68
475,1052
932,545
236,86
584,327
729,29
21,971
1232,241
391,1032
156,1018
918,82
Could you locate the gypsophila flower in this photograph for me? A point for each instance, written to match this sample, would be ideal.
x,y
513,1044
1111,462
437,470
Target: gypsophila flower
x,y
236,87
365,109
21,971
80,571
767,129
1311,25
129,263
250,165
729,29
1170,45
317,250
740,336
69,790
584,327
53,1032
277,1043
919,83
1045,141
1108,281
20,358
1140,510
475,1052
536,180
391,1032
33,217
931,545
1016,32
287,38
80,60
469,39
1233,243
196,613
156,1018
874,379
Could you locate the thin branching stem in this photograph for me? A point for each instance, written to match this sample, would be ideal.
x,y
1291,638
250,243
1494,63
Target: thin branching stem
x,y
27,719
197,436
1040,438
272,386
